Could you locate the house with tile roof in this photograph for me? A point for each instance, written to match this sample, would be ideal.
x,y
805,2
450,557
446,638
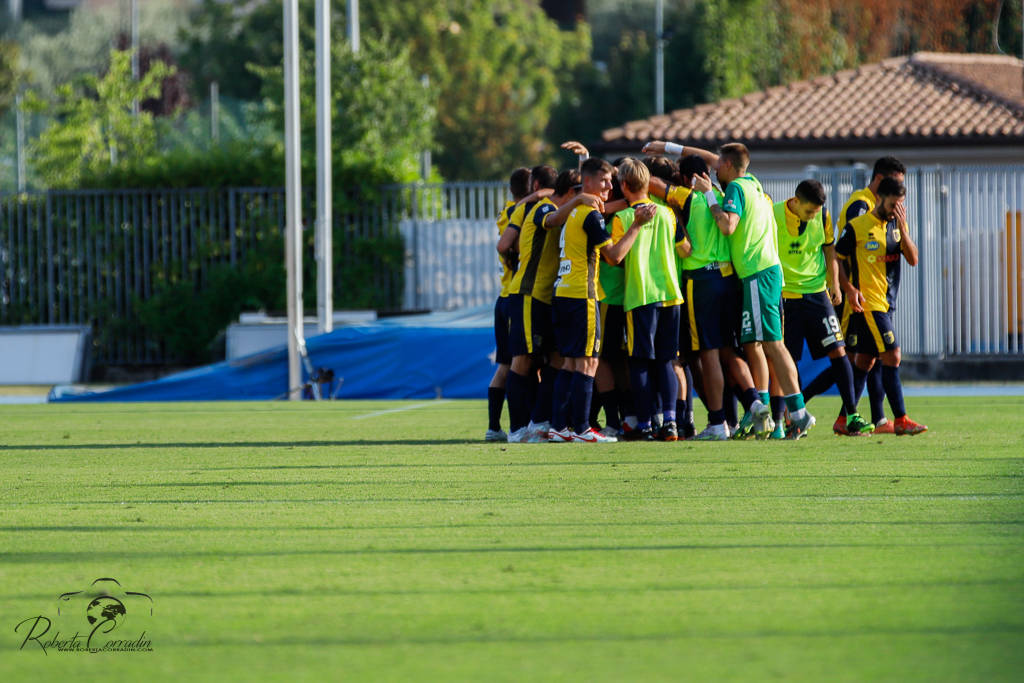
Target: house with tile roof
x,y
929,108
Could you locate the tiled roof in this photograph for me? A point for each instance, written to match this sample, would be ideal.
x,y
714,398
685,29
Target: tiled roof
x,y
928,98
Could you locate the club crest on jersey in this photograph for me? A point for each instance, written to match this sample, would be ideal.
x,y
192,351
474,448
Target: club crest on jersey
x,y
896,235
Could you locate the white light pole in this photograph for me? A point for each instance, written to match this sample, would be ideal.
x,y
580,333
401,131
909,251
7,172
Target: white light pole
x,y
659,57
293,197
353,24
324,215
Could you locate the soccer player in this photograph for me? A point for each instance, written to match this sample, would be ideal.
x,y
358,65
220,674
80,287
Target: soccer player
x,y
806,245
575,305
876,244
530,293
651,301
747,220
860,202
712,295
519,187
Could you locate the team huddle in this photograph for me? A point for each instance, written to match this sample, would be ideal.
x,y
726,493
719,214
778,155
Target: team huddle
x,y
631,287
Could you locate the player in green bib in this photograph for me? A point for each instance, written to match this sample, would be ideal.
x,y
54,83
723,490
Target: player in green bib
x,y
806,246
747,219
651,301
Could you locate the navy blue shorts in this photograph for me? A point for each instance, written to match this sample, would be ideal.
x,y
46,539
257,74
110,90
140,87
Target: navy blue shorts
x,y
652,332
502,354
529,329
871,333
810,317
613,331
577,324
711,313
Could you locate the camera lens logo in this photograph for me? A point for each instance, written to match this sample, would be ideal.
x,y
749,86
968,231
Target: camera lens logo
x,y
105,608
92,620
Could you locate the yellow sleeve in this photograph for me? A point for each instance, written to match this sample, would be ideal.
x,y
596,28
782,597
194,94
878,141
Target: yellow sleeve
x,y
830,233
677,195
617,230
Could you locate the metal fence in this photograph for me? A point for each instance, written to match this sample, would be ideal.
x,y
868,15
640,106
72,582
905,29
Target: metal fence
x,y
95,257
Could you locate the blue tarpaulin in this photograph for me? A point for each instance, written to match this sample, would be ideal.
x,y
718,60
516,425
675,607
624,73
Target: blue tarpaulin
x,y
448,355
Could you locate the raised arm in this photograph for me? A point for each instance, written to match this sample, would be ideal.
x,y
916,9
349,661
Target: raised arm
x,y
614,253
662,147
556,219
907,245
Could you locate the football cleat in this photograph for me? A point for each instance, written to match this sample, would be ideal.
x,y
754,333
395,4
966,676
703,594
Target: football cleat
x,y
520,435
560,436
744,430
610,431
718,432
590,436
857,425
668,432
495,435
883,426
801,426
779,433
839,427
687,430
905,426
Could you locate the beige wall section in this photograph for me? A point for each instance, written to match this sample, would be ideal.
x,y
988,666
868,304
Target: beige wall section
x,y
796,161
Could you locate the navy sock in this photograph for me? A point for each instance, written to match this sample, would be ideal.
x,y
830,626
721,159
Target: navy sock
x,y
716,417
729,405
560,400
582,394
894,390
495,402
860,378
542,408
748,397
518,401
626,405
876,393
821,383
843,371
610,401
668,388
681,410
641,389
595,412
778,409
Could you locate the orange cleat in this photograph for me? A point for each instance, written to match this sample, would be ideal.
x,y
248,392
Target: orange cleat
x,y
839,427
884,428
904,425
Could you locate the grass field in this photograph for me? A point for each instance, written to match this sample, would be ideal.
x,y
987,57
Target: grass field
x,y
340,541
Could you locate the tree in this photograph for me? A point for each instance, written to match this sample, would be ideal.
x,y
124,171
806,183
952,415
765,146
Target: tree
x,y
500,68
10,77
382,116
93,126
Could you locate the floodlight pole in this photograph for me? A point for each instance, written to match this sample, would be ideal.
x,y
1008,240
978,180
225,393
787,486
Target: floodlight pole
x,y
134,33
293,197
324,213
353,24
659,57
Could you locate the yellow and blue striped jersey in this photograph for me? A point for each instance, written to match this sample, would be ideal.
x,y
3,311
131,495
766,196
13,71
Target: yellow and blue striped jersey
x,y
579,249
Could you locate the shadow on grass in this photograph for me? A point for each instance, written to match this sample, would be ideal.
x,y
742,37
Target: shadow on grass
x,y
238,444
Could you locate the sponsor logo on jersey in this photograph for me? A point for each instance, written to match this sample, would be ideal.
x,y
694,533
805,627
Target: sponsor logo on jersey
x,y
871,245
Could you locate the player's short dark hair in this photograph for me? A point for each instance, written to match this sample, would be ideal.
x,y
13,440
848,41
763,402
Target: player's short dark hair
x,y
811,191
595,166
691,165
737,154
519,182
567,180
544,176
890,187
887,166
661,167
